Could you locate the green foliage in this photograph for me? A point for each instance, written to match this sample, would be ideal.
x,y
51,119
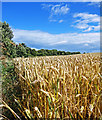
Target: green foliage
x,y
33,52
28,51
54,52
6,31
10,86
21,51
8,46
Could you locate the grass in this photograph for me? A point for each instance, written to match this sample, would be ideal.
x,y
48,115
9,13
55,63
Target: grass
x,y
59,86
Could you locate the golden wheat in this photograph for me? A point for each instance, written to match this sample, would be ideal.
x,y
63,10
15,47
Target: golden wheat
x,y
60,86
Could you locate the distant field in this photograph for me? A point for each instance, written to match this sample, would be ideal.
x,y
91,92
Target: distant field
x,y
60,86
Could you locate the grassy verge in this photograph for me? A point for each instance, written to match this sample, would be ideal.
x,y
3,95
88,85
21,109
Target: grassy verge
x,y
9,87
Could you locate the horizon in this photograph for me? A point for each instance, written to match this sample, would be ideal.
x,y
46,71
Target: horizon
x,y
63,26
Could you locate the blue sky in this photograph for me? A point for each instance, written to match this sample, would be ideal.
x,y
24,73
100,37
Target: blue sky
x,y
69,26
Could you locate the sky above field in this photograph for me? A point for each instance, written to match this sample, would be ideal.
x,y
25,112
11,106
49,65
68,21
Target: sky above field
x,y
68,26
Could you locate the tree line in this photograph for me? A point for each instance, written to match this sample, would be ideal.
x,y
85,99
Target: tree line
x,y
12,50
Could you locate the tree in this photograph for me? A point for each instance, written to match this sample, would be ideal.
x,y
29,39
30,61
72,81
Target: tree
x,y
28,51
33,52
68,53
6,31
54,52
21,51
8,46
23,44
41,52
49,52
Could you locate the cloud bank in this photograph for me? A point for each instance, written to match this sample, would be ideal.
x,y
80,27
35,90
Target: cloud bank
x,y
65,41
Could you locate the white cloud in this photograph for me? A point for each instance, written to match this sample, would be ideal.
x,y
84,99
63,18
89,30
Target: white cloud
x,y
44,39
95,28
59,9
81,25
86,44
84,20
35,48
60,21
87,30
57,43
56,11
88,17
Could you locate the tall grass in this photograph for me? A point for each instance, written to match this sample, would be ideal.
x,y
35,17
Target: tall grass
x,y
59,87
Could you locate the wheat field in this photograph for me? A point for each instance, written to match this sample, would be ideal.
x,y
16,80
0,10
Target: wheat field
x,y
60,86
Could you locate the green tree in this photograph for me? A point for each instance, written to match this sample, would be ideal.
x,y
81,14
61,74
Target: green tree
x,y
49,52
28,51
6,31
54,52
8,46
41,52
68,53
33,52
23,44
21,51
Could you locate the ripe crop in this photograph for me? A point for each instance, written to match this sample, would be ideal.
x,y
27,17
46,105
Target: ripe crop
x,y
60,86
